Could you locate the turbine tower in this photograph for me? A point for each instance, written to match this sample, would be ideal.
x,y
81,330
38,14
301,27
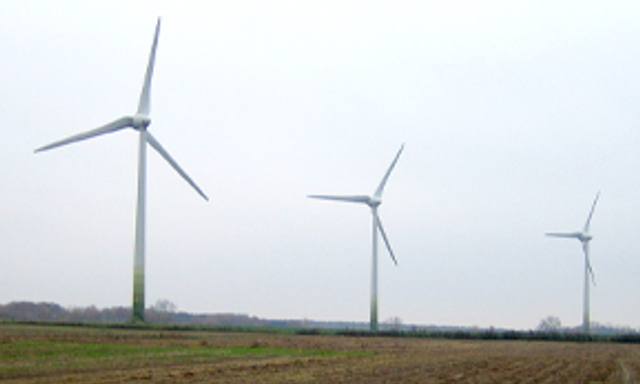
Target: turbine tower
x,y
373,202
584,237
139,121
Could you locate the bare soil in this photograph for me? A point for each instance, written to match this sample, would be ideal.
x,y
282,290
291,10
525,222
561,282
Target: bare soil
x,y
30,354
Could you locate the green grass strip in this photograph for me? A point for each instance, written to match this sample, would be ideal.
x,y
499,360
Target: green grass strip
x,y
32,357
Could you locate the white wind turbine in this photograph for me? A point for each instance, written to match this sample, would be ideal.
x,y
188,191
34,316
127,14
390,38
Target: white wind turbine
x,y
139,121
584,237
373,202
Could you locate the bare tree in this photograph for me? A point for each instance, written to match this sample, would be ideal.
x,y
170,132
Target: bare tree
x,y
164,306
393,323
163,311
550,324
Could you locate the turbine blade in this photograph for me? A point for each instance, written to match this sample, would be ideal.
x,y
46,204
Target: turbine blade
x,y
568,235
593,276
144,105
384,235
380,188
348,199
156,145
113,126
585,247
593,207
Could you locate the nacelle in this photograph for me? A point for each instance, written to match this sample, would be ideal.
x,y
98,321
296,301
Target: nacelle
x,y
585,237
374,202
140,121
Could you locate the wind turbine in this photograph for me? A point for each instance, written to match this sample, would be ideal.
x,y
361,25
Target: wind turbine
x,y
373,202
138,121
584,237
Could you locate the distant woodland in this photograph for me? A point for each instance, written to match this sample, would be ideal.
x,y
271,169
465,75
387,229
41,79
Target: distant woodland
x,y
164,312
158,313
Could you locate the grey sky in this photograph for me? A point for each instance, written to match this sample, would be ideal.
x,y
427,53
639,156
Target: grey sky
x,y
514,115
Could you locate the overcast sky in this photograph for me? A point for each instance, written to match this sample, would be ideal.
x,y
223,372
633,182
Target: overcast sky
x,y
514,115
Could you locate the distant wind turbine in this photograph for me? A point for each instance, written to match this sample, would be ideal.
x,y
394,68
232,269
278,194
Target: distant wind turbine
x,y
373,202
584,237
139,121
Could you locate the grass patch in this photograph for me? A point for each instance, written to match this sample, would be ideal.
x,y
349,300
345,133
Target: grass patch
x,y
34,357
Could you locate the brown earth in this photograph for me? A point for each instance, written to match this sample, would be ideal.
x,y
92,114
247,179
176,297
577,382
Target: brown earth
x,y
287,359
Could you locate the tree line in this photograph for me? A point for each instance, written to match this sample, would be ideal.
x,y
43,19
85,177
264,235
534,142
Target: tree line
x,y
161,312
165,312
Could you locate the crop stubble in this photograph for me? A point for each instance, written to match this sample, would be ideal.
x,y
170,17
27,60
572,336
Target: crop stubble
x,y
84,355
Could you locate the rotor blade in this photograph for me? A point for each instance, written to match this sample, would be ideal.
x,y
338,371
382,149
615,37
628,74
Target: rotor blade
x,y
380,188
384,235
568,235
585,247
144,105
348,199
156,145
113,126
593,207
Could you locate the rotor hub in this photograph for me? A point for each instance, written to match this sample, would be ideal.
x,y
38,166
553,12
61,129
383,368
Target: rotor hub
x,y
140,121
585,237
374,202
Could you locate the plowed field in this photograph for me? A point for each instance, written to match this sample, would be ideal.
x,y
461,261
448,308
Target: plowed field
x,y
81,355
